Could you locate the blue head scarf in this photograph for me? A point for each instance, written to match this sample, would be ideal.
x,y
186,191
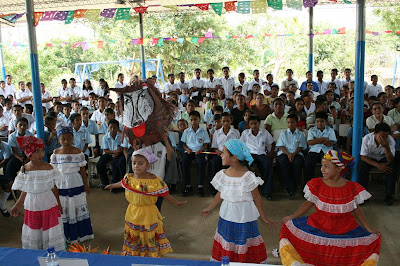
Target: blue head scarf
x,y
239,149
64,130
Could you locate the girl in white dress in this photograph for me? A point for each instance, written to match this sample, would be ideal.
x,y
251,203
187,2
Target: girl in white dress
x,y
72,187
42,226
237,234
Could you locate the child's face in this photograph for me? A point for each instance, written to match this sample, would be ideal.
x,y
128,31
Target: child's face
x,y
383,99
390,104
377,110
309,86
17,111
182,126
229,105
205,99
184,91
72,83
227,157
299,105
22,127
58,108
394,127
102,103
51,125
226,122
213,104
194,121
291,123
240,100
274,92
171,79
113,129
240,78
77,122
323,107
64,84
66,111
66,140
38,155
259,99
321,123
226,72
290,96
329,170
3,85
85,115
111,105
330,97
254,125
217,124
76,107
351,103
22,85
278,107
26,110
8,106
246,116
109,116
256,88
92,98
140,165
102,84
213,95
270,78
210,74
190,107
374,80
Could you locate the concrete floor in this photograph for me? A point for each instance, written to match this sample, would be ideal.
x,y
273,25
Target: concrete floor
x,y
191,235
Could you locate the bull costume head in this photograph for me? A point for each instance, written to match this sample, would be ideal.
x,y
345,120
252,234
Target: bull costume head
x,y
145,112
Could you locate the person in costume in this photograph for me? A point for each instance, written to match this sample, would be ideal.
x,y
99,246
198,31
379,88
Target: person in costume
x,y
144,233
72,187
237,235
331,235
37,179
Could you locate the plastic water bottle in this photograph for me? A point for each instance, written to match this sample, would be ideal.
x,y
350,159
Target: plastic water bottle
x,y
52,259
225,261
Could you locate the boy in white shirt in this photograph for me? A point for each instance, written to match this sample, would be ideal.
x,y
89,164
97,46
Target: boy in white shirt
x,y
258,140
227,83
289,81
212,83
171,87
46,96
334,73
3,123
64,93
267,85
196,85
23,96
7,111
75,89
256,80
242,83
98,115
120,83
9,89
374,88
183,84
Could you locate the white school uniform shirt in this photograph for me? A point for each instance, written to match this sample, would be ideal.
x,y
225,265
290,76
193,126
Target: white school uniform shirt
x,y
371,121
85,93
267,87
120,85
369,148
212,84
21,94
245,87
184,85
219,138
64,93
228,85
286,83
372,90
100,92
98,116
311,110
46,95
77,92
338,83
13,121
4,122
168,87
345,82
9,90
257,144
322,86
253,81
8,113
3,92
199,83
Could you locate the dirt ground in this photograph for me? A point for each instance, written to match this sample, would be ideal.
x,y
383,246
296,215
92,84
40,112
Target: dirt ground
x,y
191,235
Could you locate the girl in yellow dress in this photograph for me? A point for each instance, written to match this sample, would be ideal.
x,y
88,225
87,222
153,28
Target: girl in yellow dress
x,y
144,234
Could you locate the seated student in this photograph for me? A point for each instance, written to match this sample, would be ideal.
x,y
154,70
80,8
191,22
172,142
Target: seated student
x,y
182,126
217,120
258,139
184,97
8,110
50,136
378,150
203,102
298,110
81,135
17,114
290,157
274,94
276,120
28,109
330,97
308,98
171,87
195,140
321,139
15,163
321,105
113,152
374,88
3,123
67,111
209,116
261,109
377,117
109,114
245,123
76,106
59,121
213,95
90,125
221,136
229,104
190,107
98,115
238,111
92,103
250,98
5,183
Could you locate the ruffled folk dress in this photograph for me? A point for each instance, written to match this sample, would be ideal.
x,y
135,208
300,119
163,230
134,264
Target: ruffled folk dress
x,y
237,235
76,219
144,233
331,235
42,220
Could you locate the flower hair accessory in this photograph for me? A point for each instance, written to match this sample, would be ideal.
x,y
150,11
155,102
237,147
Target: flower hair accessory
x,y
30,144
64,130
151,158
239,149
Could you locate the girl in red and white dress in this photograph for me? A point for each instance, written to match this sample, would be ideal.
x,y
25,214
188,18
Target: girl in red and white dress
x,y
331,235
42,226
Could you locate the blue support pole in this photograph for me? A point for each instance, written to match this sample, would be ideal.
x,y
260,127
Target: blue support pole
x,y
311,39
37,96
142,54
3,67
359,86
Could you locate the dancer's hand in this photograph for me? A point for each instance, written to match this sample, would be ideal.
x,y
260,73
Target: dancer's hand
x,y
373,231
180,203
287,218
15,211
109,187
271,224
205,212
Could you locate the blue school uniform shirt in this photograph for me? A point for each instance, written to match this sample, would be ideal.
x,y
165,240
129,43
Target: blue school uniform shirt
x,y
53,145
62,115
209,117
103,128
291,141
184,98
195,140
5,151
81,138
12,140
109,143
350,132
92,127
315,133
172,139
